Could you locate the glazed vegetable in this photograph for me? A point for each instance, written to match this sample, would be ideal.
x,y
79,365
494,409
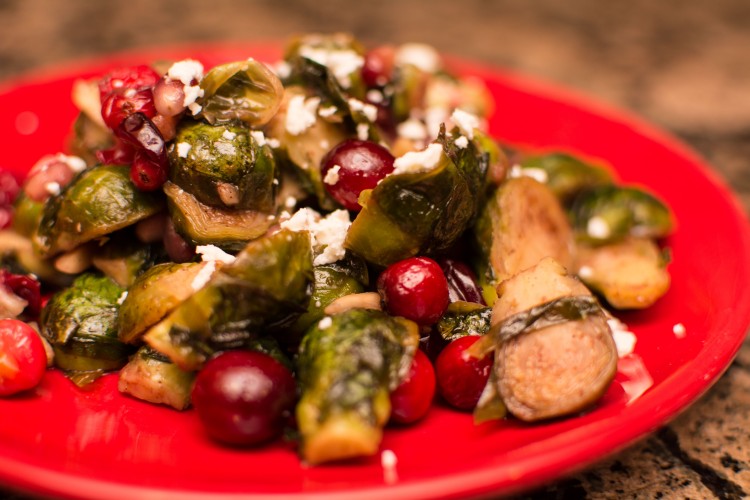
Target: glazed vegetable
x,y
223,166
423,212
99,201
347,365
566,175
609,213
123,258
80,323
152,377
463,319
630,274
265,288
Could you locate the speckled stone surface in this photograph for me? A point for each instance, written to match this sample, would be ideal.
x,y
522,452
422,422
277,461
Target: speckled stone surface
x,y
684,65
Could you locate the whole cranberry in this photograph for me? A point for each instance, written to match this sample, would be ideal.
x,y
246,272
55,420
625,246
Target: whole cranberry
x,y
23,359
462,282
411,400
243,397
461,378
353,166
414,288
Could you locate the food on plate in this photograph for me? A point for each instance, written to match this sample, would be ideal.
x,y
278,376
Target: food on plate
x,y
339,227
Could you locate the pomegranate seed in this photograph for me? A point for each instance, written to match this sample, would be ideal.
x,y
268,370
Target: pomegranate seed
x,y
118,106
146,174
461,378
134,77
361,165
416,289
140,133
412,399
49,171
120,154
23,359
25,287
244,397
8,188
377,69
177,248
462,282
169,97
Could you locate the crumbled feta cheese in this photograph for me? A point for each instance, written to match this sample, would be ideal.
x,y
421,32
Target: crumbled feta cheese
x,y
363,131
282,69
389,461
342,63
74,163
327,234
679,331
53,188
195,108
461,142
624,339
538,174
327,111
374,95
123,296
434,118
585,272
187,71
203,275
370,111
419,161
332,176
225,148
229,135
183,148
290,202
598,228
211,253
258,136
300,114
420,55
412,129
466,122
274,143
325,323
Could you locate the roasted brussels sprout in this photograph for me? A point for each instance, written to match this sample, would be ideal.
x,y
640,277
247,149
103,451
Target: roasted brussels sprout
x,y
462,319
567,175
610,213
123,258
201,224
423,212
347,366
97,202
152,377
244,90
80,323
223,166
26,215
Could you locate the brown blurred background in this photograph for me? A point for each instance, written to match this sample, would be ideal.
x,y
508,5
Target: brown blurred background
x,y
682,64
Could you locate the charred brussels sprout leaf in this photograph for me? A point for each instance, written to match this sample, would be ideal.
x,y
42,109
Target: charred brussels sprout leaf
x,y
223,166
610,213
99,201
420,213
347,369
462,319
152,377
245,90
567,175
81,324
266,288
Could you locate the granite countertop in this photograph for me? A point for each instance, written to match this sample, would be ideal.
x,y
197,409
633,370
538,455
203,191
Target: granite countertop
x,y
682,65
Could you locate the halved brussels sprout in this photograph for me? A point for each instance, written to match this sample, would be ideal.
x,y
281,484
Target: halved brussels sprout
x,y
610,213
423,212
567,175
97,202
462,319
223,166
201,224
151,376
26,215
244,90
123,258
266,288
347,366
80,323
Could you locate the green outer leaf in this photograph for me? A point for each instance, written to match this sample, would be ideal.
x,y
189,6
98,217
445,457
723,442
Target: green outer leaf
x,y
97,202
462,319
568,175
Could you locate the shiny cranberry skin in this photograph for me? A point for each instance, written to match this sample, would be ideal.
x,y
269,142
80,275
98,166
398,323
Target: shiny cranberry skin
x,y
132,77
25,287
361,165
377,69
411,400
243,397
118,106
414,288
23,359
462,282
461,378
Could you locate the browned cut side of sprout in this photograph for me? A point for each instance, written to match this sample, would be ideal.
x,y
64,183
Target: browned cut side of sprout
x,y
559,369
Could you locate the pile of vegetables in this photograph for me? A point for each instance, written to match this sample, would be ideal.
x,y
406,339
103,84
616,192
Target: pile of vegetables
x,y
321,245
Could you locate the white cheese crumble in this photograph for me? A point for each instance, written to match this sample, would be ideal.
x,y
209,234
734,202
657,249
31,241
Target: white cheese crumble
x,y
538,174
74,163
327,234
374,95
212,253
332,176
258,136
412,129
53,188
435,117
187,71
418,161
389,461
123,296
466,122
290,202
300,114
420,55
183,148
325,323
229,135
370,111
461,142
282,69
342,63
363,131
585,272
624,339
203,275
327,112
679,331
598,228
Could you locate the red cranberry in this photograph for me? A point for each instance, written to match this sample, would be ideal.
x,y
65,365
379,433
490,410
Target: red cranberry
x,y
462,282
416,289
243,397
361,165
377,69
411,400
461,378
133,77
23,359
25,287
118,106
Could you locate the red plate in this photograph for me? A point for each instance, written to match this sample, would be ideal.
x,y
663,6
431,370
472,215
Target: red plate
x,y
97,443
